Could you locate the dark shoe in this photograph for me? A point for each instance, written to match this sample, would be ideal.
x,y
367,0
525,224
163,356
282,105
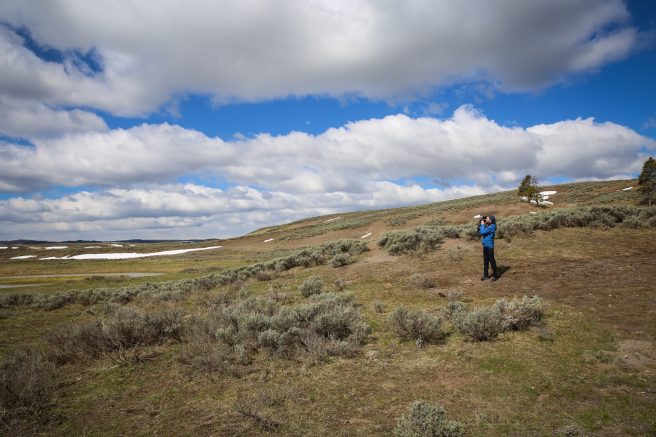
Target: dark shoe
x,y
494,278
483,278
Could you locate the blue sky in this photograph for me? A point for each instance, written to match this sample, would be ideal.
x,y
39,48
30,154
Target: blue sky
x,y
195,120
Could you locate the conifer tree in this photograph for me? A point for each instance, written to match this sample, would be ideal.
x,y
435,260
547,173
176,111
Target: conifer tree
x,y
529,188
647,181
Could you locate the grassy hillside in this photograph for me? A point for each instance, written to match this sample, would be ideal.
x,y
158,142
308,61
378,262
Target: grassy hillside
x,y
307,334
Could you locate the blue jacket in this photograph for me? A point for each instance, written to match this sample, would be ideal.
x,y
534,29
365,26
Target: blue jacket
x,y
487,232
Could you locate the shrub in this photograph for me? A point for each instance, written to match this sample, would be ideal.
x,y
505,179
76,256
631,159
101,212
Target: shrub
x,y
421,239
426,419
521,313
422,281
340,259
327,324
455,254
126,328
379,306
16,299
418,325
312,285
453,295
454,309
27,382
480,324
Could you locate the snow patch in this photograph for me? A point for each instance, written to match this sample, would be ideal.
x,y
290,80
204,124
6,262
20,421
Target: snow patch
x,y
330,220
267,240
548,193
627,189
131,255
546,202
116,245
366,235
56,247
3,247
478,216
93,247
532,212
15,247
23,257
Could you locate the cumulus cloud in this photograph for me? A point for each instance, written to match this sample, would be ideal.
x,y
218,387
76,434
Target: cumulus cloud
x,y
192,211
346,159
259,50
30,119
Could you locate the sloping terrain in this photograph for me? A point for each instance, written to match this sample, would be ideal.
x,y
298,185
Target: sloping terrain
x,y
236,342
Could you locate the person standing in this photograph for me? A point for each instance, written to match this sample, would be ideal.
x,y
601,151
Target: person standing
x,y
488,229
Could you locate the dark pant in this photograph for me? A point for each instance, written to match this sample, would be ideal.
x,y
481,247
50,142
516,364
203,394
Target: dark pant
x,y
488,258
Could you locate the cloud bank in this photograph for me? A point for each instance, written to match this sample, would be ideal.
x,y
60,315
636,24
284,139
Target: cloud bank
x,y
340,159
146,54
271,179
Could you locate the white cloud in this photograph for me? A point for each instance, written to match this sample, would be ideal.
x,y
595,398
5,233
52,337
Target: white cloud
x,y
30,119
347,159
192,211
297,175
260,50
581,149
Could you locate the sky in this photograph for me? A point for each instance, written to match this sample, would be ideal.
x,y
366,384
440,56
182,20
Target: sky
x,y
193,119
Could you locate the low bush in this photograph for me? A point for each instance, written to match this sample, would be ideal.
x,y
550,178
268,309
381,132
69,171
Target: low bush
x,y
327,324
425,419
453,295
480,324
455,254
417,240
312,285
418,325
27,383
16,299
341,259
420,280
125,328
519,314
